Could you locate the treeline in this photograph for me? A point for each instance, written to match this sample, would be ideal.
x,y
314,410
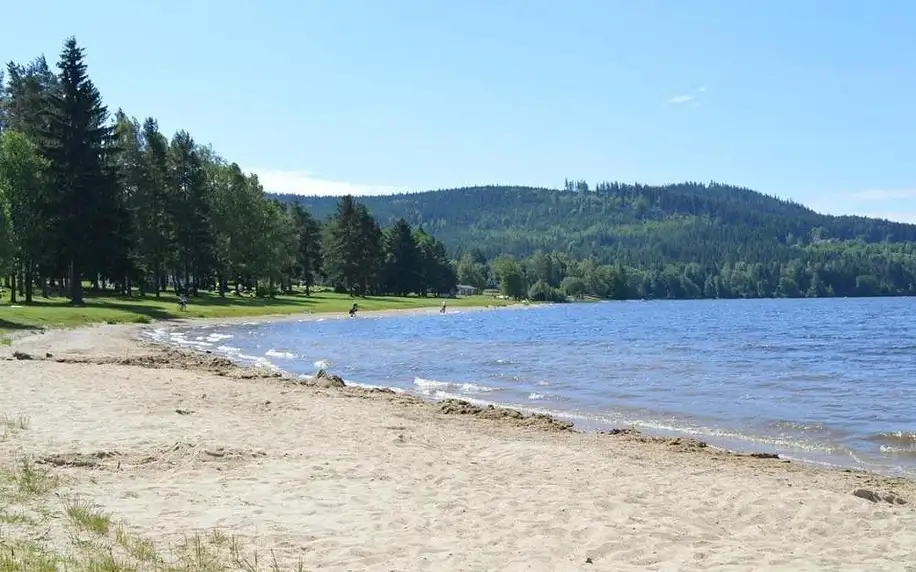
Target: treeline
x,y
831,269
113,201
688,240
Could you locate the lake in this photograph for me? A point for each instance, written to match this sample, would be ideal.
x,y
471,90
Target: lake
x,y
828,381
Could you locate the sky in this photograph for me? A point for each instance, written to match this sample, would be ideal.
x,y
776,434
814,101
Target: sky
x,y
813,100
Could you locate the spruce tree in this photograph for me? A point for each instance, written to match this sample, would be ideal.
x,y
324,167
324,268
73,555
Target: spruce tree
x,y
402,268
77,141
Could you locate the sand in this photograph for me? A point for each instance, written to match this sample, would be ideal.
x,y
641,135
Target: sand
x,y
350,479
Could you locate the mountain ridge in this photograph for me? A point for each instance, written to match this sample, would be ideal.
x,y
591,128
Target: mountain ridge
x,y
518,220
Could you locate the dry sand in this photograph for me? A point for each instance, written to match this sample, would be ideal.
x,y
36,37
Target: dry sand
x,y
350,479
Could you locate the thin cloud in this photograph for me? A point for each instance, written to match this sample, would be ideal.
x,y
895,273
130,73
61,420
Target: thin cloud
x,y
884,194
307,184
679,99
688,97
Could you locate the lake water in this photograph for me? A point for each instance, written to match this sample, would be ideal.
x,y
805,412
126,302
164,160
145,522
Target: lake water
x,y
827,381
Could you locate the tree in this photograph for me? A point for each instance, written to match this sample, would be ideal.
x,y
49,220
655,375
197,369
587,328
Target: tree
x,y
23,182
308,246
156,225
509,274
77,143
368,250
573,286
26,97
190,210
402,268
342,245
471,273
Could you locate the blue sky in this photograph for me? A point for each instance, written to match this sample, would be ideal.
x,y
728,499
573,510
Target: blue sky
x,y
809,99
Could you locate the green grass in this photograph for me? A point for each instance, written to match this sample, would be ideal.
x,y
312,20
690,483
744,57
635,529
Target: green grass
x,y
43,529
85,517
111,309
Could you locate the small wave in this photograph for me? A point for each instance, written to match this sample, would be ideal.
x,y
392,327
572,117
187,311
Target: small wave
x,y
543,383
279,354
798,426
218,337
322,364
536,396
431,386
898,450
228,349
372,386
894,437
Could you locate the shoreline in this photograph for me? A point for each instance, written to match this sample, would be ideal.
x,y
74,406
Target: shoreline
x,y
313,316
749,444
180,440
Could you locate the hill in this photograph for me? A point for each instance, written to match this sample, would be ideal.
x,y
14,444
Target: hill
x,y
634,224
705,231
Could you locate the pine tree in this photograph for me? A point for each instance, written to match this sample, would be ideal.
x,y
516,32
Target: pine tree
x,y
342,247
402,268
156,225
308,247
78,144
189,211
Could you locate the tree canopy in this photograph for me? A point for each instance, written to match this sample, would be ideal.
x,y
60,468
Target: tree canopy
x,y
86,197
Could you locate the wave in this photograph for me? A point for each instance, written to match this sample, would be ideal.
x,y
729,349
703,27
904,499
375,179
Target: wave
x,y
322,364
218,337
894,437
898,450
431,386
798,426
280,354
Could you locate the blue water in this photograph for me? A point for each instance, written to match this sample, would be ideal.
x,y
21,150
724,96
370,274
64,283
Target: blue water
x,y
826,381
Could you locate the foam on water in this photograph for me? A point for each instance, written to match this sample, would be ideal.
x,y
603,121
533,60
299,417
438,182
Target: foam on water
x,y
280,354
428,386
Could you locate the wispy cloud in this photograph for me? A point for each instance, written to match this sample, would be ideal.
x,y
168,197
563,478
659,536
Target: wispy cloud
x,y
891,204
308,184
679,99
884,194
683,98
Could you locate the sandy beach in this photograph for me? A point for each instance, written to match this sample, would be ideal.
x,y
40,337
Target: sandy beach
x,y
173,445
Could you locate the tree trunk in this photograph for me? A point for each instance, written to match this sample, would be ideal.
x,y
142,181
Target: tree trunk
x,y
13,288
45,290
29,282
128,286
76,284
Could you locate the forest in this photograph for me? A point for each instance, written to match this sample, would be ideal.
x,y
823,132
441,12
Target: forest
x,y
109,202
106,201
686,240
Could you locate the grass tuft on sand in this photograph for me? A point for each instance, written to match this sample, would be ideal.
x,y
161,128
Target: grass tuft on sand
x,y
43,529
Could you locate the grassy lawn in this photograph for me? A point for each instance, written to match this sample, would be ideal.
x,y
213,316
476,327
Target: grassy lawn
x,y
107,308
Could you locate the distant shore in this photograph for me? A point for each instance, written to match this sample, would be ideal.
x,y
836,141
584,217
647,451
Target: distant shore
x,y
170,445
343,315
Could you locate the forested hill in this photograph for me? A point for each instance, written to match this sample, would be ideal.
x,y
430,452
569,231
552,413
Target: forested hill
x,y
637,225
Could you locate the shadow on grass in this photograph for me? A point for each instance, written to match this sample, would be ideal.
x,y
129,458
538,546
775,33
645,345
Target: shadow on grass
x,y
7,325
